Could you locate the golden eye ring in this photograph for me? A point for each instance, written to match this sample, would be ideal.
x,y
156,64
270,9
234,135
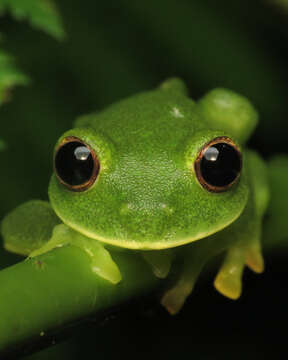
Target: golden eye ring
x,y
218,165
76,164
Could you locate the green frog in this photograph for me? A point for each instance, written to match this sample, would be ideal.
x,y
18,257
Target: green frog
x,y
161,175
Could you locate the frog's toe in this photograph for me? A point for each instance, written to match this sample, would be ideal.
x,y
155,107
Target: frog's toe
x,y
254,259
228,285
229,278
101,260
103,265
174,299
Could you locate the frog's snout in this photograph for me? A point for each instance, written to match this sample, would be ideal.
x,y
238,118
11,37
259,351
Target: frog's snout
x,y
147,221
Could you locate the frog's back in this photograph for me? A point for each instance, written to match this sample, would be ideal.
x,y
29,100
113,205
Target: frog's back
x,y
160,119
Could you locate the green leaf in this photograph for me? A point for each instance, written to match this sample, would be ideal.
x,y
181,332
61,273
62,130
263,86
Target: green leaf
x,y
10,76
42,14
2,145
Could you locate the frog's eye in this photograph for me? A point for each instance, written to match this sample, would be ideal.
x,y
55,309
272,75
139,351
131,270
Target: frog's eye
x,y
218,165
76,164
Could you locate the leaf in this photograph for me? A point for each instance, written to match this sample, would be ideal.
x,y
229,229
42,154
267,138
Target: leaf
x,y
2,145
10,76
42,14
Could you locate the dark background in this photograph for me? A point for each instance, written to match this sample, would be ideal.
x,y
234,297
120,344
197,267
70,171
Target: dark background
x,y
114,49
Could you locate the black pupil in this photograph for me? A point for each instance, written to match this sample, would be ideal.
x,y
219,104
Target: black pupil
x,y
220,164
74,163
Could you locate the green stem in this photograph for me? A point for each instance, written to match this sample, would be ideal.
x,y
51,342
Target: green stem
x,y
58,288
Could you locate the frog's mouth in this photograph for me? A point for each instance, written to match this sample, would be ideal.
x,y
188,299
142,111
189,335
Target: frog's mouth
x,y
150,244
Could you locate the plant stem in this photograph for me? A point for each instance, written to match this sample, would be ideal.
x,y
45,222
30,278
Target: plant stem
x,y
58,288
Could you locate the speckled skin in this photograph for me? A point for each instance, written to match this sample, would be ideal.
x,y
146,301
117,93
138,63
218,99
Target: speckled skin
x,y
147,196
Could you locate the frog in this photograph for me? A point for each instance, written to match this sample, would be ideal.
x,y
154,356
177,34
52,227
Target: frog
x,y
161,175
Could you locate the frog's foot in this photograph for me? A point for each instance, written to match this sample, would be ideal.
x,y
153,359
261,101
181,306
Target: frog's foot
x,y
160,262
101,261
28,227
60,237
229,278
174,298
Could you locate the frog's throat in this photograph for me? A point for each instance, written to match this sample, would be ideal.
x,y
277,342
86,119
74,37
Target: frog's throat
x,y
153,245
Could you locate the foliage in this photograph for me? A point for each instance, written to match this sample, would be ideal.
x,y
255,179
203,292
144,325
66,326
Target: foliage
x,y
9,76
42,14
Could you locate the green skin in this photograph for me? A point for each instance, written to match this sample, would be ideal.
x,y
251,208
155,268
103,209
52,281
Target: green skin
x,y
147,197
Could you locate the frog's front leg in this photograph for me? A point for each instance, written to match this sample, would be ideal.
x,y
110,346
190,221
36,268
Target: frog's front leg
x,y
243,238
241,241
195,257
242,248
101,261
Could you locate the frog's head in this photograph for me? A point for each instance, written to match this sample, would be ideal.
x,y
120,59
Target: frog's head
x,y
156,170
